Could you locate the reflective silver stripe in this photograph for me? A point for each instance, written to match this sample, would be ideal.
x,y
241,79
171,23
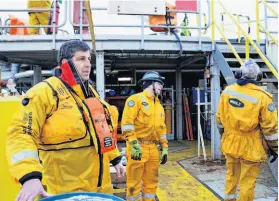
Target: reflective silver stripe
x,y
148,195
163,137
128,127
133,198
143,100
24,155
272,137
220,126
230,196
242,96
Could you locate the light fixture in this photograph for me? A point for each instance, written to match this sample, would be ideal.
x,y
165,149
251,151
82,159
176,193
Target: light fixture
x,y
124,79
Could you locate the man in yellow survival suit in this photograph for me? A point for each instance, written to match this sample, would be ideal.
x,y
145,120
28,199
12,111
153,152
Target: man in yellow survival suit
x,y
38,18
247,120
64,133
143,126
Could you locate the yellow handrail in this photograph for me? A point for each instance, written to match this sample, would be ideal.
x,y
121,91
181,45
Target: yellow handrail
x,y
270,8
204,19
247,49
91,25
269,35
258,25
229,44
238,18
212,20
269,65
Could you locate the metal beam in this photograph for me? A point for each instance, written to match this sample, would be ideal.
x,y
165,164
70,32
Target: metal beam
x,y
190,60
37,77
3,58
223,66
31,62
106,43
143,65
100,74
179,117
215,96
171,70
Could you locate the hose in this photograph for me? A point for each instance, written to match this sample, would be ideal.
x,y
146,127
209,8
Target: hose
x,y
180,45
168,23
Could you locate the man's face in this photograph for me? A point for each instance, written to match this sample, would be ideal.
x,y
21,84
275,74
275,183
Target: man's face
x,y
82,62
158,88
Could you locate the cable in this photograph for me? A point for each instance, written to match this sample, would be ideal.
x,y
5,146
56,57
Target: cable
x,y
172,30
180,45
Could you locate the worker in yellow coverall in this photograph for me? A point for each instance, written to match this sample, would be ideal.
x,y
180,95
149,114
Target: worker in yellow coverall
x,y
38,18
143,127
247,120
53,145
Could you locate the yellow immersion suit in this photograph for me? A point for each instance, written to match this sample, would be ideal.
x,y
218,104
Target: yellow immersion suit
x,y
38,18
143,120
247,114
48,138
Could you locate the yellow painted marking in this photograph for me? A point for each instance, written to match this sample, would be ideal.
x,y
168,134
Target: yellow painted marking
x,y
176,184
121,190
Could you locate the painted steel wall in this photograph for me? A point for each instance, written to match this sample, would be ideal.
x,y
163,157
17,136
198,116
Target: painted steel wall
x,y
9,189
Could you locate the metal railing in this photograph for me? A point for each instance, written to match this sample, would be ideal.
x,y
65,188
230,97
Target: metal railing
x,y
205,21
68,17
142,25
247,51
54,26
264,29
238,20
248,40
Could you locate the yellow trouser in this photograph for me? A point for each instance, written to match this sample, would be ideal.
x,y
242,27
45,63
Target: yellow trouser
x,y
38,19
145,171
242,172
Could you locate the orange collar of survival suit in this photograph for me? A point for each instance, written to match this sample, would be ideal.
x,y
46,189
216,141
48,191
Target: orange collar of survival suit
x,y
68,73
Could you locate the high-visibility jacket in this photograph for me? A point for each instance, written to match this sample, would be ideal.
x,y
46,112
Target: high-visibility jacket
x,y
247,115
144,119
49,139
38,4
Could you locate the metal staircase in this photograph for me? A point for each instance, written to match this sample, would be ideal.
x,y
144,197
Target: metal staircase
x,y
228,63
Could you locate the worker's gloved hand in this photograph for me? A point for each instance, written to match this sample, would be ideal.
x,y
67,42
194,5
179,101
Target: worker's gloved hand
x,y
164,155
135,150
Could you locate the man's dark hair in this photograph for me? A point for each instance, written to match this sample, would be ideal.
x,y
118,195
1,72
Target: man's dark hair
x,y
69,48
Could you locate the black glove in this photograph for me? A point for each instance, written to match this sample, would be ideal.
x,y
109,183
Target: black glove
x,y
164,155
273,155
